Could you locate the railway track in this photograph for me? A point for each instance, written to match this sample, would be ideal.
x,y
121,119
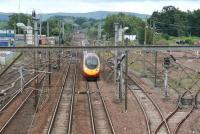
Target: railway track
x,y
152,112
179,115
61,121
14,90
100,119
2,72
17,93
20,104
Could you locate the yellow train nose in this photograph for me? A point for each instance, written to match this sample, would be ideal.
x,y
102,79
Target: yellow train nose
x,y
91,72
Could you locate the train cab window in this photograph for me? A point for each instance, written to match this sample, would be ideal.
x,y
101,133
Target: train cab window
x,y
91,62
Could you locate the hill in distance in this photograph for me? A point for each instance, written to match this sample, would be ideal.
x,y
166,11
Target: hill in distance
x,y
94,15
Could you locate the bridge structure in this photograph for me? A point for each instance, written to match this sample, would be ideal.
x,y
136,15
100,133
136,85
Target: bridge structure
x,y
102,48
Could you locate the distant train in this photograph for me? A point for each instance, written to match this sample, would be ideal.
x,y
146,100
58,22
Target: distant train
x,y
91,66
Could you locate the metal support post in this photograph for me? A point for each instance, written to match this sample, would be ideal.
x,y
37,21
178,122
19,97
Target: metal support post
x,y
104,61
166,84
99,32
121,82
166,67
126,79
58,62
118,81
35,34
47,29
63,32
36,80
145,43
40,29
155,71
22,78
144,64
35,19
115,60
49,69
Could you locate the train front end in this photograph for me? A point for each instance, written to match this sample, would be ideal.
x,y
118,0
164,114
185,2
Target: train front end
x,y
91,67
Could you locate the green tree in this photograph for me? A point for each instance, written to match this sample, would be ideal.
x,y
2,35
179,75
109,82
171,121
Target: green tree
x,y
18,18
170,21
136,25
80,20
194,22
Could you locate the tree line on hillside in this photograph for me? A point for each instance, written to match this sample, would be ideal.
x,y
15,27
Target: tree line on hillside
x,y
169,22
175,22
55,23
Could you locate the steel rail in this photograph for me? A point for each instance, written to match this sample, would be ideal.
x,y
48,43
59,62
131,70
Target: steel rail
x,y
172,114
50,127
69,130
155,105
10,64
190,112
147,121
14,114
106,110
183,120
17,93
90,109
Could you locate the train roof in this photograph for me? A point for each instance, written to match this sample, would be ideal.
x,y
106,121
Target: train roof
x,y
91,54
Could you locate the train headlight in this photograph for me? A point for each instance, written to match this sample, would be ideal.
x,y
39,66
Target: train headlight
x,y
85,69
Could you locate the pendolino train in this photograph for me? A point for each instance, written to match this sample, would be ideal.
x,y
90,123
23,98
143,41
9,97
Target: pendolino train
x,y
91,66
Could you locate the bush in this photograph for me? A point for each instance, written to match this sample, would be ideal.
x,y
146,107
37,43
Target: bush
x,y
166,36
189,41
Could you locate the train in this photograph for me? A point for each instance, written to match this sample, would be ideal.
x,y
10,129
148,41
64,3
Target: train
x,y
91,66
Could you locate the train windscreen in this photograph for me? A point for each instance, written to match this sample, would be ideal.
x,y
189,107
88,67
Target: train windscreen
x,y
91,62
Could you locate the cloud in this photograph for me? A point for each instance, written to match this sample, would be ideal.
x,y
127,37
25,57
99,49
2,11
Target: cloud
x,y
139,6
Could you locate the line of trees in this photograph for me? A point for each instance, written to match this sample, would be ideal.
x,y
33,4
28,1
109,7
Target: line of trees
x,y
175,22
54,23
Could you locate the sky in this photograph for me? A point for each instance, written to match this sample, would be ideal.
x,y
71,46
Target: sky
x,y
82,6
